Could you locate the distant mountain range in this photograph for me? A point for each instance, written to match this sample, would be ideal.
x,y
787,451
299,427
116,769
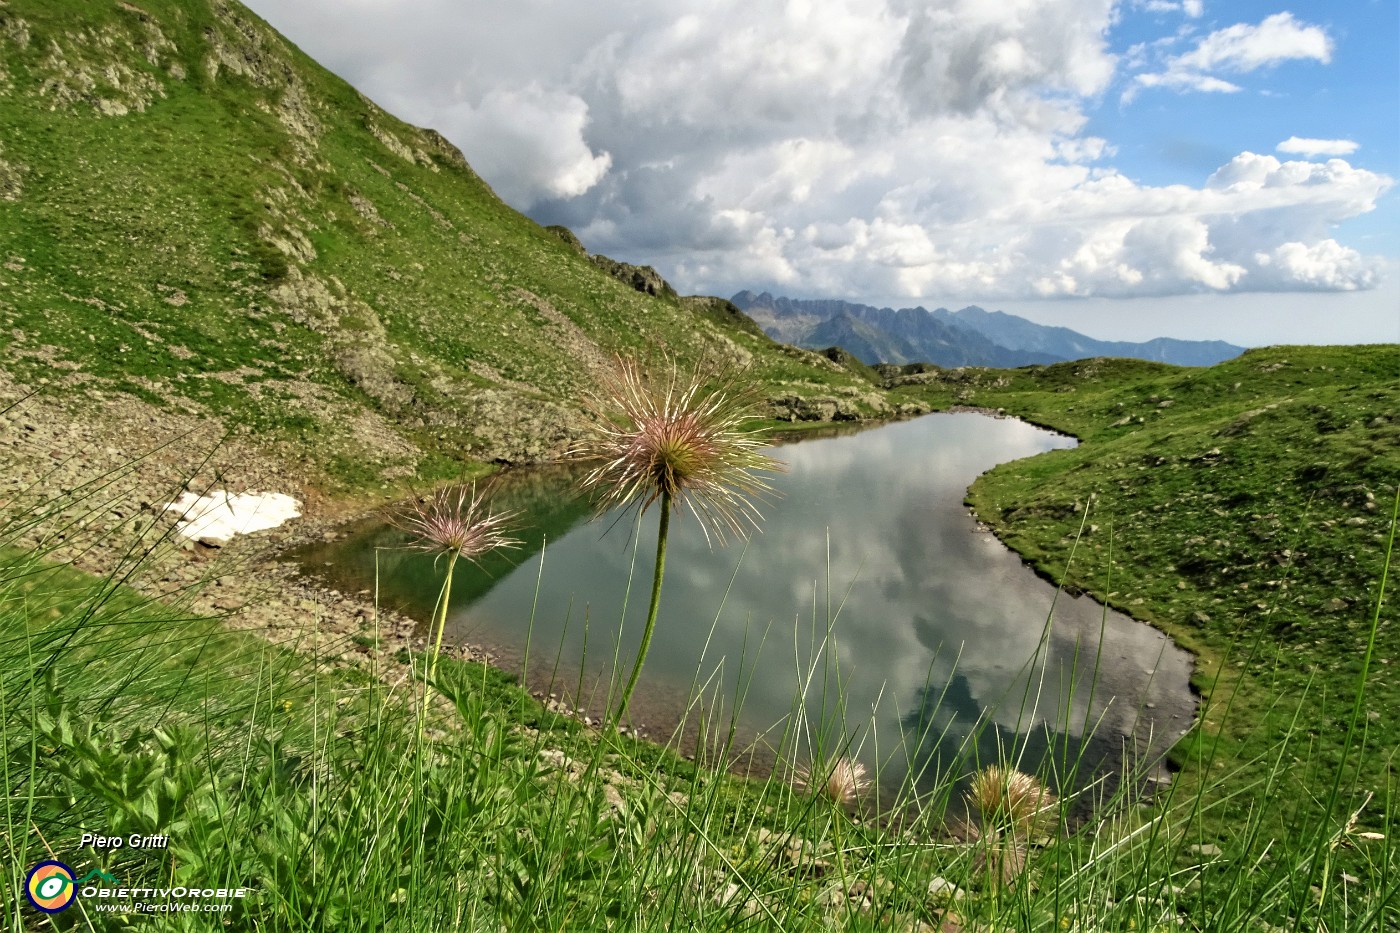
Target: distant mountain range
x,y
970,337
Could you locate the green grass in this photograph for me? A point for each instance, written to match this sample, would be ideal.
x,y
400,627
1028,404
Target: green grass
x,y
167,253
311,786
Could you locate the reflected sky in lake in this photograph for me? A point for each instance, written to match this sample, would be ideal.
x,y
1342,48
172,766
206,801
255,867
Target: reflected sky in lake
x,y
936,633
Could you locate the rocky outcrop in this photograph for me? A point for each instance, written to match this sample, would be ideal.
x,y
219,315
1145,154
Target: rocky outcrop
x,y
510,427
722,312
644,279
814,408
567,236
355,336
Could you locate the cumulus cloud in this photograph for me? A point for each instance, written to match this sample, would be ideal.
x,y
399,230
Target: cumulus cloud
x,y
1238,49
1066,231
1243,47
964,56
1296,145
537,148
729,65
1325,266
856,147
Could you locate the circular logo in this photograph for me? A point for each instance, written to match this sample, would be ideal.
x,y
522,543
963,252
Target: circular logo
x,y
50,887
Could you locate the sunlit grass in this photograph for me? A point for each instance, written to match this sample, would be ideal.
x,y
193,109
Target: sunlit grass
x,y
313,787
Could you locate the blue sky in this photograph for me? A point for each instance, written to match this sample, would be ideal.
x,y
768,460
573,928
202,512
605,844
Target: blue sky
x,y
1164,137
1129,168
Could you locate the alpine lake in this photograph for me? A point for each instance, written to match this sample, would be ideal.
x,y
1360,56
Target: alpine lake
x,y
873,616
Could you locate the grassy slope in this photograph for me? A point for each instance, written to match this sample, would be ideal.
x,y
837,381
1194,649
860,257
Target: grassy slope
x,y
1243,509
195,212
258,241
307,786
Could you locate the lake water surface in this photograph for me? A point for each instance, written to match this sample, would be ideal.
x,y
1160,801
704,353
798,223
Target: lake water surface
x,y
872,613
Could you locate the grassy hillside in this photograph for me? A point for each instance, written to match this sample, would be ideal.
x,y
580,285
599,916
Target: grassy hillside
x,y
204,233
194,213
1244,509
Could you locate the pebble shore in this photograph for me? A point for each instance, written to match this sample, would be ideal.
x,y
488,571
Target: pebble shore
x,y
87,482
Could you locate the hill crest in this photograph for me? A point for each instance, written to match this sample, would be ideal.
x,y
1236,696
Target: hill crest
x,y
194,213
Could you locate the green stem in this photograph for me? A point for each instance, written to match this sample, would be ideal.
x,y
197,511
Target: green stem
x,y
1328,841
661,535
440,624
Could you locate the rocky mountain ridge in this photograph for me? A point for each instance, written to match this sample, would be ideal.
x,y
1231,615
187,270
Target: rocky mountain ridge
x,y
969,337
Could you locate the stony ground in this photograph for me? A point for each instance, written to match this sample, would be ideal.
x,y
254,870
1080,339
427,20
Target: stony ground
x,y
87,480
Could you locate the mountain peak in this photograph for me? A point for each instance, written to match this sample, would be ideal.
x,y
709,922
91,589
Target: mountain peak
x,y
971,336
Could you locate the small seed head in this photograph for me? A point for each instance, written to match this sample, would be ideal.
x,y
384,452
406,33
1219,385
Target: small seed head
x,y
842,781
1009,801
456,522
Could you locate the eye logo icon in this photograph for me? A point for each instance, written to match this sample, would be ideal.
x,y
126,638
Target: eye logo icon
x,y
50,887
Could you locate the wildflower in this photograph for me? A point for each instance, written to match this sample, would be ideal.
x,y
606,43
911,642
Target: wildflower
x,y
840,783
671,440
1011,805
454,525
1009,800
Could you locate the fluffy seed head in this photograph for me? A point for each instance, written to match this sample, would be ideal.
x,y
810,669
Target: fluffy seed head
x,y
1008,799
842,781
671,437
456,522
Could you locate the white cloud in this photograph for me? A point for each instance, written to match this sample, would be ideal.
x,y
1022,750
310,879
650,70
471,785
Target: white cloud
x,y
1180,81
1191,8
789,171
1238,49
537,148
1083,149
964,56
1315,147
1033,228
856,147
1325,266
1244,48
731,65
1327,192
1175,251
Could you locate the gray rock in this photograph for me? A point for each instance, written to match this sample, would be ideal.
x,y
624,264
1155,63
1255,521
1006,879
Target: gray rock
x,y
644,279
821,408
945,892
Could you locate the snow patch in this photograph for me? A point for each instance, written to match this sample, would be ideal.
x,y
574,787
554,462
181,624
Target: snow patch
x,y
215,518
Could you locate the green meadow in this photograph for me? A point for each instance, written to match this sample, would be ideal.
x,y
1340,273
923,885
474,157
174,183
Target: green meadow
x,y
203,230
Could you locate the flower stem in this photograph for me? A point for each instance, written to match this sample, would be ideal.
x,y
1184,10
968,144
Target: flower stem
x,y
661,535
441,623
